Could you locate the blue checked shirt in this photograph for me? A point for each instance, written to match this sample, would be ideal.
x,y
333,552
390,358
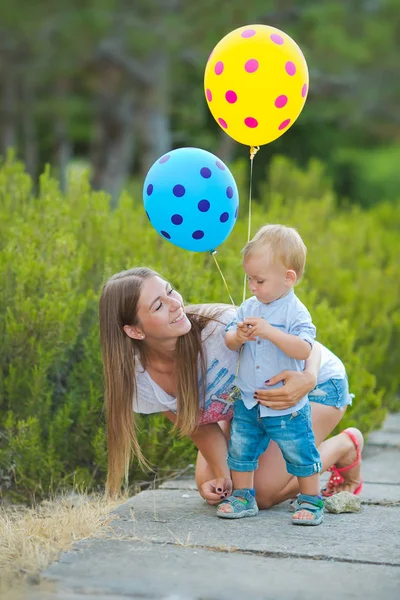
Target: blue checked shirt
x,y
261,360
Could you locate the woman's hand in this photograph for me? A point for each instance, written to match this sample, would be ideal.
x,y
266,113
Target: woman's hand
x,y
296,385
216,490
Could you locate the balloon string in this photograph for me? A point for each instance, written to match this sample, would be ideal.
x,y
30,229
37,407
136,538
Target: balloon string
x,y
213,253
253,152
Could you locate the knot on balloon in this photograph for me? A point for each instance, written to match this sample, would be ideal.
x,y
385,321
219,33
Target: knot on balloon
x,y
253,151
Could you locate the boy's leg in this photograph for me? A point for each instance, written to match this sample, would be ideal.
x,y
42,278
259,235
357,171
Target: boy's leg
x,y
295,438
246,444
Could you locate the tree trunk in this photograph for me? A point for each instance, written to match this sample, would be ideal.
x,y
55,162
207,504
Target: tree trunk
x,y
225,147
62,143
29,133
112,148
153,122
9,108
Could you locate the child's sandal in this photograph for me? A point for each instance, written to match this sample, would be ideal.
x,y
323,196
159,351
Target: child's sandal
x,y
311,504
246,507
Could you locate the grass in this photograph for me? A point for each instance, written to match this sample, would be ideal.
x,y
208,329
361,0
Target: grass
x,y
31,538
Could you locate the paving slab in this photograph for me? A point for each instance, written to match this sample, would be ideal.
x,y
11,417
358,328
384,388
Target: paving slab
x,y
181,517
384,439
381,465
134,569
372,493
392,423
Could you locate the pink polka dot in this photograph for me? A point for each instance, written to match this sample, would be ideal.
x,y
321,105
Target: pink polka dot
x,y
211,53
251,65
281,101
223,123
284,124
251,122
209,95
219,67
277,39
248,33
231,96
304,90
290,68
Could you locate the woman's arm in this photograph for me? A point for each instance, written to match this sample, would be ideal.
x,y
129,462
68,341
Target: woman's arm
x,y
212,443
296,384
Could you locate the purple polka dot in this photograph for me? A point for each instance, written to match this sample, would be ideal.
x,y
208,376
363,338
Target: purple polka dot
x,y
164,159
148,216
236,212
219,67
251,65
177,219
248,33
229,191
178,191
304,90
166,235
251,122
281,101
220,165
277,39
205,172
224,217
284,124
203,205
231,96
223,123
290,68
197,235
150,189
209,95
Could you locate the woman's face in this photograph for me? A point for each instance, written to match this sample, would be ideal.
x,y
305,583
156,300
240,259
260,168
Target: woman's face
x,y
160,310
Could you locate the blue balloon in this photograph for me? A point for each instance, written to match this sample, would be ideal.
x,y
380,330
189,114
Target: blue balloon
x,y
191,199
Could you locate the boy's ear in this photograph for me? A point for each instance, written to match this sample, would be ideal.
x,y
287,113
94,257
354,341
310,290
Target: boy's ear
x,y
291,277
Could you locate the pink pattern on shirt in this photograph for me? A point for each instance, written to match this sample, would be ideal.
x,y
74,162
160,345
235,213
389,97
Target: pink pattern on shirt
x,y
218,409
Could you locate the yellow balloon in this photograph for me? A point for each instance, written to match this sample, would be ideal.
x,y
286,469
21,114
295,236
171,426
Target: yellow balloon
x,y
256,83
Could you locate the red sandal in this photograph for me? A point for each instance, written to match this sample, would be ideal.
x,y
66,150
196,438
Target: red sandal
x,y
337,478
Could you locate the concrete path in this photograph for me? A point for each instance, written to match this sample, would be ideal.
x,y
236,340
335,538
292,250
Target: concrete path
x,y
168,544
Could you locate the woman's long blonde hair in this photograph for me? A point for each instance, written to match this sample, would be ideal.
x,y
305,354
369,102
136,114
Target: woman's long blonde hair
x,y
119,307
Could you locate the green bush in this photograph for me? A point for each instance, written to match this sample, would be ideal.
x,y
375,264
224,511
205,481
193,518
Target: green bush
x,y
56,252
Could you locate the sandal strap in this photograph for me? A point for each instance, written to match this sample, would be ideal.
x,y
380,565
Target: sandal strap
x,y
312,504
240,501
314,501
357,447
336,478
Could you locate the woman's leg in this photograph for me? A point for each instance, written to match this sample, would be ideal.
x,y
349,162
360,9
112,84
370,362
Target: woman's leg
x,y
274,484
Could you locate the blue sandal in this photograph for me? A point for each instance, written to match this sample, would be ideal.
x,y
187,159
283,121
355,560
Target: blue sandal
x,y
312,504
245,507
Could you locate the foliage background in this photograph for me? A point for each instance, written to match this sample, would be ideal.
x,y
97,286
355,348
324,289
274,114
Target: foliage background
x,y
90,95
56,252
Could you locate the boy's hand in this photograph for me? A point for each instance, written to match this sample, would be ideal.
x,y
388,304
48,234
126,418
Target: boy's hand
x,y
243,333
258,327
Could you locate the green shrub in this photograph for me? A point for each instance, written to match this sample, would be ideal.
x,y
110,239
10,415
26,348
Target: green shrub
x,y
56,252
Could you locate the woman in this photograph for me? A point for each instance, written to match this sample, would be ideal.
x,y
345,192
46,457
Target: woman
x,y
160,358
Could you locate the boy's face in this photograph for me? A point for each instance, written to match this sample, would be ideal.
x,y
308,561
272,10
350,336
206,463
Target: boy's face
x,y
267,280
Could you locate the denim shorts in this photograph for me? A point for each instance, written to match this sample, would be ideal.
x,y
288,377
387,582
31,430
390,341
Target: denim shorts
x,y
251,434
334,392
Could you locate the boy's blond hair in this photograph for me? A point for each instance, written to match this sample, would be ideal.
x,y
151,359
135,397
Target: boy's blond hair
x,y
285,245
